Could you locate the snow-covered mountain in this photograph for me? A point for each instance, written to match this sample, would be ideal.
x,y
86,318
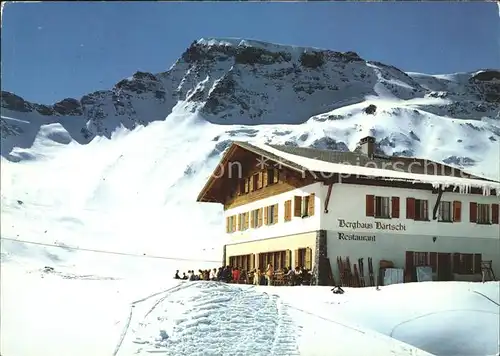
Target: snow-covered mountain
x,y
116,163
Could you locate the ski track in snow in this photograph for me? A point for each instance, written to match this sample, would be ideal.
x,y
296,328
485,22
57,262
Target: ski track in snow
x,y
211,318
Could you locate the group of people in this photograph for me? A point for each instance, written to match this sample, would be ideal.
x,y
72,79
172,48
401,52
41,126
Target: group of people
x,y
228,274
222,274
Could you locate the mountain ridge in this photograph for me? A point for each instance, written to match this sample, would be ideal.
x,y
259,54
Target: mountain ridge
x,y
228,81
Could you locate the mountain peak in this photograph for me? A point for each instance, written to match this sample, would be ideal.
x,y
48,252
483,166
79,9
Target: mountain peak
x,y
250,82
249,51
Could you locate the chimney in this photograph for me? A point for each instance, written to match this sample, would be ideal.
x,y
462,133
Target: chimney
x,y
367,145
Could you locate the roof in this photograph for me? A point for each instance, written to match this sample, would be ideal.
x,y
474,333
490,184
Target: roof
x,y
389,168
304,159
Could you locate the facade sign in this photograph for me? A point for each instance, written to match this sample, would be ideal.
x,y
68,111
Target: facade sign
x,y
354,237
377,225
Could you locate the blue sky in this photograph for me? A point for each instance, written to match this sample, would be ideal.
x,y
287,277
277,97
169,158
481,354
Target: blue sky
x,y
51,51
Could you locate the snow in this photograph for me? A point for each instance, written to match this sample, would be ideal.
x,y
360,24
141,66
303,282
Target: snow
x,y
71,314
313,165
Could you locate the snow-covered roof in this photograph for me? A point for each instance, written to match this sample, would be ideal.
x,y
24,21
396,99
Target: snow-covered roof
x,y
463,185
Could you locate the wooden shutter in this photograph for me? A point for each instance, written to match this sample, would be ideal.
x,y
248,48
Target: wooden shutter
x,y
234,218
370,205
433,261
494,213
308,261
477,262
457,211
410,208
310,209
227,224
247,218
246,185
259,180
251,181
296,258
266,214
259,217
297,206
456,263
264,178
395,207
288,259
276,176
409,264
288,210
275,214
252,262
473,212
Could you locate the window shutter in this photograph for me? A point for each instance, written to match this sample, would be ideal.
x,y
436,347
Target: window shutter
x,y
259,217
477,262
266,214
275,215
494,213
410,208
264,178
288,210
247,216
456,263
433,261
227,224
296,258
259,180
288,259
276,176
370,205
395,207
297,205
310,209
251,187
457,211
308,262
246,185
234,222
426,210
473,212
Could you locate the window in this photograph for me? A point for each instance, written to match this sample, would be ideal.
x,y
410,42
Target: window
x,y
467,263
445,211
242,221
304,206
382,207
256,218
279,259
272,176
243,186
421,212
303,258
483,214
271,214
231,224
257,181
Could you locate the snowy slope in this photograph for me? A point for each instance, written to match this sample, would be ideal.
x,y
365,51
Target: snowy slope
x,y
119,170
